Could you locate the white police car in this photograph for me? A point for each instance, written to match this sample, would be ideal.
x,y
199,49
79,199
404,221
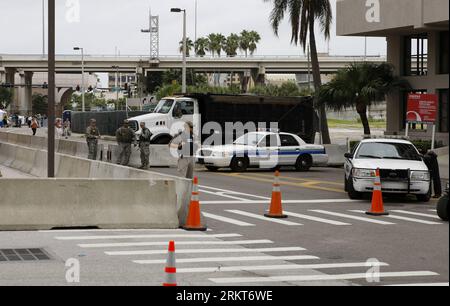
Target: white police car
x,y
265,150
402,169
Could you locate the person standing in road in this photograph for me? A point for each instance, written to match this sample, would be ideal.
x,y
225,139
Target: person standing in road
x,y
125,138
185,145
144,146
34,125
92,137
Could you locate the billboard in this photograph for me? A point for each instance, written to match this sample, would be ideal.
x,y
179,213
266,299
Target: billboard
x,y
422,108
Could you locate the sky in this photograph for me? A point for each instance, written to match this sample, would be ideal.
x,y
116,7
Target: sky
x,y
102,26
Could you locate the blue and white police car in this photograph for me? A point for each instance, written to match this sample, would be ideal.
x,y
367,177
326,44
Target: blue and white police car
x,y
264,150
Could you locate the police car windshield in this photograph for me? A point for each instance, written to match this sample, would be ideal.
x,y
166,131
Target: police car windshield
x,y
251,139
164,106
401,151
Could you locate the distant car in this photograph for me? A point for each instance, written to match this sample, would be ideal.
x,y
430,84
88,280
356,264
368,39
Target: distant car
x,y
263,150
402,169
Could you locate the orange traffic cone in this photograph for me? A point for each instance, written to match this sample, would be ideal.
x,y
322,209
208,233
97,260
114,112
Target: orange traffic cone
x,y
171,270
193,222
276,209
377,198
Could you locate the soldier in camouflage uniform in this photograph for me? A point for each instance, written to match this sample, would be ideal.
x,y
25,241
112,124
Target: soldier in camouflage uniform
x,y
125,138
92,137
144,146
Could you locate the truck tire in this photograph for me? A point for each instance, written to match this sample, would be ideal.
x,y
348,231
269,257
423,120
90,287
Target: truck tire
x,y
442,208
304,163
239,164
352,193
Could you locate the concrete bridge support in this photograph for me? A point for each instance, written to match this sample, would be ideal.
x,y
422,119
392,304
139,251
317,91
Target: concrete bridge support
x,y
25,101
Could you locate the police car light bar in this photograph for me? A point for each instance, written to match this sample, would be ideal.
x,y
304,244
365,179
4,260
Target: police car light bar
x,y
398,137
270,130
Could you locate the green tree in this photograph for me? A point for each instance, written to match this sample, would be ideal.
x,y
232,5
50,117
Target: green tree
x,y
254,39
216,43
39,104
244,42
189,46
231,45
6,97
303,15
201,46
359,86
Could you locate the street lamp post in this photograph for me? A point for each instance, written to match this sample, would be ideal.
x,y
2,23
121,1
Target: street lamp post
x,y
82,78
178,10
116,86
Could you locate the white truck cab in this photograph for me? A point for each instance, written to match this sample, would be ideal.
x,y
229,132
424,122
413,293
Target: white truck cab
x,y
161,122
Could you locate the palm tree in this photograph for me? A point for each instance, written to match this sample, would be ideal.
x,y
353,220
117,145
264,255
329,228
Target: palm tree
x,y
201,46
189,46
244,42
254,39
231,45
303,15
216,43
359,86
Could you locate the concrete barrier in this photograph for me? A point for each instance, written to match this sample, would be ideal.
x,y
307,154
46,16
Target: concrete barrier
x,y
44,204
73,167
336,154
159,156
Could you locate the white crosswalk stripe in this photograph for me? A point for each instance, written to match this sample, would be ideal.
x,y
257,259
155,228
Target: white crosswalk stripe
x,y
352,217
167,236
227,220
321,277
255,216
416,214
201,251
404,218
164,243
311,218
228,259
277,267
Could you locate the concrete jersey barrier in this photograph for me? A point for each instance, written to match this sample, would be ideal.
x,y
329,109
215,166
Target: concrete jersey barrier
x,y
107,203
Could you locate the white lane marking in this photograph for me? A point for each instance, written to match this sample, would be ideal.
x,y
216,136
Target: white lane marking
x,y
404,218
325,201
304,278
221,194
228,259
415,214
352,217
113,231
205,251
159,243
419,285
227,220
306,217
247,214
235,192
277,267
106,237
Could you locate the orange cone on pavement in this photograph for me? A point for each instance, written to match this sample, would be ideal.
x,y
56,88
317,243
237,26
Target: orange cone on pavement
x,y
377,198
171,270
276,208
193,222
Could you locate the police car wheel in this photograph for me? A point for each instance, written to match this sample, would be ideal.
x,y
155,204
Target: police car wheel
x,y
239,164
304,163
442,208
352,193
424,197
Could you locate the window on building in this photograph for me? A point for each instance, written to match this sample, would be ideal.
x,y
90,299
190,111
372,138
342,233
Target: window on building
x,y
443,53
416,54
443,111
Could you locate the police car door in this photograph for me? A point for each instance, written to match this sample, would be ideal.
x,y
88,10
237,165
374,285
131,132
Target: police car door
x,y
267,153
289,150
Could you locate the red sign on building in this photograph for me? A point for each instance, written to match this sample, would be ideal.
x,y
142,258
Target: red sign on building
x,y
422,108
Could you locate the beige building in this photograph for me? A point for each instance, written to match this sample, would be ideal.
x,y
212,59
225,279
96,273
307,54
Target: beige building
x,y
417,45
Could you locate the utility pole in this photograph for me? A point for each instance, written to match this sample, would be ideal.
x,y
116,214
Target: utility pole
x,y
179,10
43,28
51,90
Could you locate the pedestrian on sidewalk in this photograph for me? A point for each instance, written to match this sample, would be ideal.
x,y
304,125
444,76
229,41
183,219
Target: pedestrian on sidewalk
x,y
431,160
144,146
125,138
92,137
58,128
184,143
66,129
34,125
